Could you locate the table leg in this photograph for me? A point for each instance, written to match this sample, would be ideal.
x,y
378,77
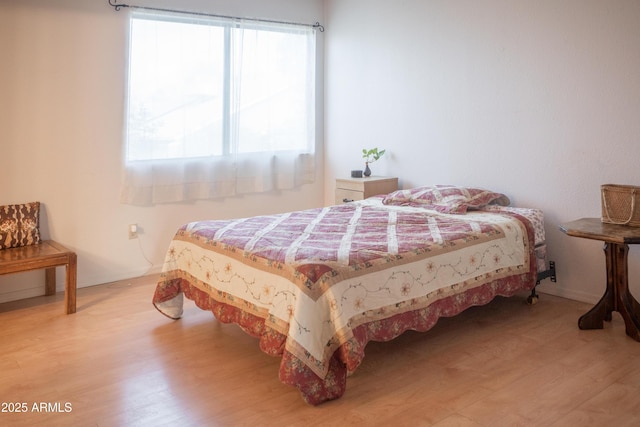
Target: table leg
x,y
71,284
625,303
617,296
594,318
50,281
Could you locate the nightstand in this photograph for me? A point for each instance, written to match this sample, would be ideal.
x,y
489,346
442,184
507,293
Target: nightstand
x,y
350,189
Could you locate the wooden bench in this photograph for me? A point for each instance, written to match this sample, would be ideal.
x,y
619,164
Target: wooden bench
x,y
48,255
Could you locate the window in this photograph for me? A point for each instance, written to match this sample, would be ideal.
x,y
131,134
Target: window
x,y
209,100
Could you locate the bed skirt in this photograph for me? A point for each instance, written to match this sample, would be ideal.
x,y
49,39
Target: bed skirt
x,y
347,358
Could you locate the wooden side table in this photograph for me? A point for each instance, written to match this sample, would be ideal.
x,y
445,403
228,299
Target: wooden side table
x,y
48,255
617,297
350,189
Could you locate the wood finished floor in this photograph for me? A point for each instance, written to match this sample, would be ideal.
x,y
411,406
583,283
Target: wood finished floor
x,y
119,362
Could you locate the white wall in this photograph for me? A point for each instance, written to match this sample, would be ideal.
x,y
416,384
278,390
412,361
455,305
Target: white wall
x,y
539,100
536,99
62,70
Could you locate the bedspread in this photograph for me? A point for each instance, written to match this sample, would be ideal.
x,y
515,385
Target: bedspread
x,y
311,282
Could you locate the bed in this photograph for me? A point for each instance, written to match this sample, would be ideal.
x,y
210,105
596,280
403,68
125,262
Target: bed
x,y
316,285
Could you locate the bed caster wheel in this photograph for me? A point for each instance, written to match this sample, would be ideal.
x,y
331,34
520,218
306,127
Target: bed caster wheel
x,y
532,299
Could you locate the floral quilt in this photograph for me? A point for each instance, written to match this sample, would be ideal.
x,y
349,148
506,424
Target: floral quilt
x,y
317,285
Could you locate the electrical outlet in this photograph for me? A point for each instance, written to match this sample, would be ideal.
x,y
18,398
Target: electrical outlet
x,y
133,231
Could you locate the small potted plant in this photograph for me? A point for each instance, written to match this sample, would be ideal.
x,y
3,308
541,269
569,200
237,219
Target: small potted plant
x,y
370,156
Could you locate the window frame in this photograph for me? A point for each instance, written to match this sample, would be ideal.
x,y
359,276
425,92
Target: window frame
x,y
228,25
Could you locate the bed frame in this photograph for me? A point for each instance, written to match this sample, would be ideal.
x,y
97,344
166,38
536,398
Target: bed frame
x,y
550,273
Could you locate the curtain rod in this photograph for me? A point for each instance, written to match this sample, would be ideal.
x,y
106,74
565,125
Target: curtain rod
x,y
117,7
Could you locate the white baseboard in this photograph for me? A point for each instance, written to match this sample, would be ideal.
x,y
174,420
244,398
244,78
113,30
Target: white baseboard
x,y
552,289
33,285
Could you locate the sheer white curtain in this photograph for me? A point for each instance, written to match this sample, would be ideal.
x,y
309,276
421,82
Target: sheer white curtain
x,y
217,108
